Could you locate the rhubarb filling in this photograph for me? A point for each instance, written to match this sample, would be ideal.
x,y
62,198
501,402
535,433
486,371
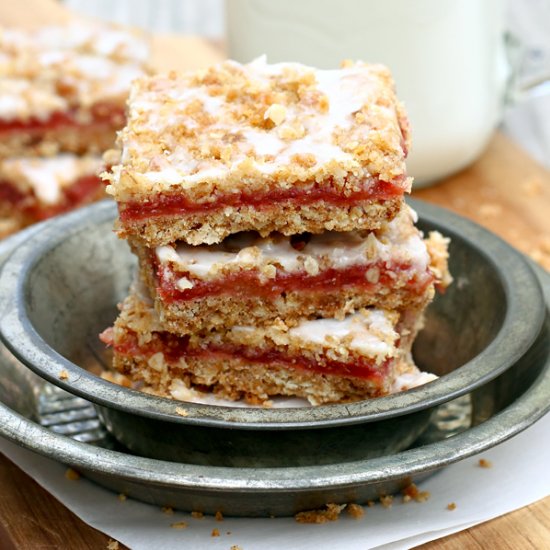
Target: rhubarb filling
x,y
171,205
366,278
175,348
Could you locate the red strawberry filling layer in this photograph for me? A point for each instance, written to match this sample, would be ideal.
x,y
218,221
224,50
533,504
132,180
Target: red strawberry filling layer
x,y
250,282
171,205
175,348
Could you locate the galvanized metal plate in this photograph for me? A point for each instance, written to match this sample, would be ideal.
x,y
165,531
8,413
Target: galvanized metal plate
x,y
519,396
64,285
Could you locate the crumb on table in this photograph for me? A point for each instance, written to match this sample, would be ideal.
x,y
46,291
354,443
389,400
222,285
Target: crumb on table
x,y
386,501
112,545
411,492
122,497
63,375
215,532
71,474
179,525
451,506
484,463
197,515
219,515
168,510
331,513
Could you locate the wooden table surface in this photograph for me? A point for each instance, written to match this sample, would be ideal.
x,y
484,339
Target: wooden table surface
x,y
505,190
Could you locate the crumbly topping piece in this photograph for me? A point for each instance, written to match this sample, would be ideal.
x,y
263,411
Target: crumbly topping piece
x,y
55,69
233,126
397,242
438,249
46,178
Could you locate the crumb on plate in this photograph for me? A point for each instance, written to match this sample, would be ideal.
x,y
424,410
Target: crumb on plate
x,y
331,513
356,511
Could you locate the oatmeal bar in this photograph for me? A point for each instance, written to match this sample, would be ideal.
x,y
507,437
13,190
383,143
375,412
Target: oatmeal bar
x,y
33,189
323,361
64,88
252,280
269,148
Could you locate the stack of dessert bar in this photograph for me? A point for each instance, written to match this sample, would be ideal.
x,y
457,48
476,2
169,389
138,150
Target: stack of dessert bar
x,y
62,99
276,254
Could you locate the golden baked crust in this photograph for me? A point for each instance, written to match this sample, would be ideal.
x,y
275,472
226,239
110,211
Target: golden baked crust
x,y
288,219
233,125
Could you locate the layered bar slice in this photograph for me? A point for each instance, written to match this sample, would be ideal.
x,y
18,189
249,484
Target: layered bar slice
x,y
268,148
323,361
64,88
33,189
252,280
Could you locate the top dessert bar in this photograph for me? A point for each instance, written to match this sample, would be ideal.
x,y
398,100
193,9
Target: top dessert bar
x,y
261,147
64,88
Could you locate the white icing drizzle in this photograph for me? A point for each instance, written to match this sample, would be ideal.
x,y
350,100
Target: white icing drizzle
x,y
369,332
398,242
346,89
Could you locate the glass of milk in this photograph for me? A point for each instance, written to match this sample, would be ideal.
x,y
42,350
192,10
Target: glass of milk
x,y
449,59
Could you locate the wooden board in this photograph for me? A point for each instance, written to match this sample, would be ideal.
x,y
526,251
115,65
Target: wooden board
x,y
504,190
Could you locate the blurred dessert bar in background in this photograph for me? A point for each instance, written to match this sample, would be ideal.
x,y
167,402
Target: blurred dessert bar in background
x,y
35,188
63,89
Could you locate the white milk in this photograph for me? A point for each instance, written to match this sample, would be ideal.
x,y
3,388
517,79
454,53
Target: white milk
x,y
447,57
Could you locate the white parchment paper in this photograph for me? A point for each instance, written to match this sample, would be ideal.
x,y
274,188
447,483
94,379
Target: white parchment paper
x,y
519,476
